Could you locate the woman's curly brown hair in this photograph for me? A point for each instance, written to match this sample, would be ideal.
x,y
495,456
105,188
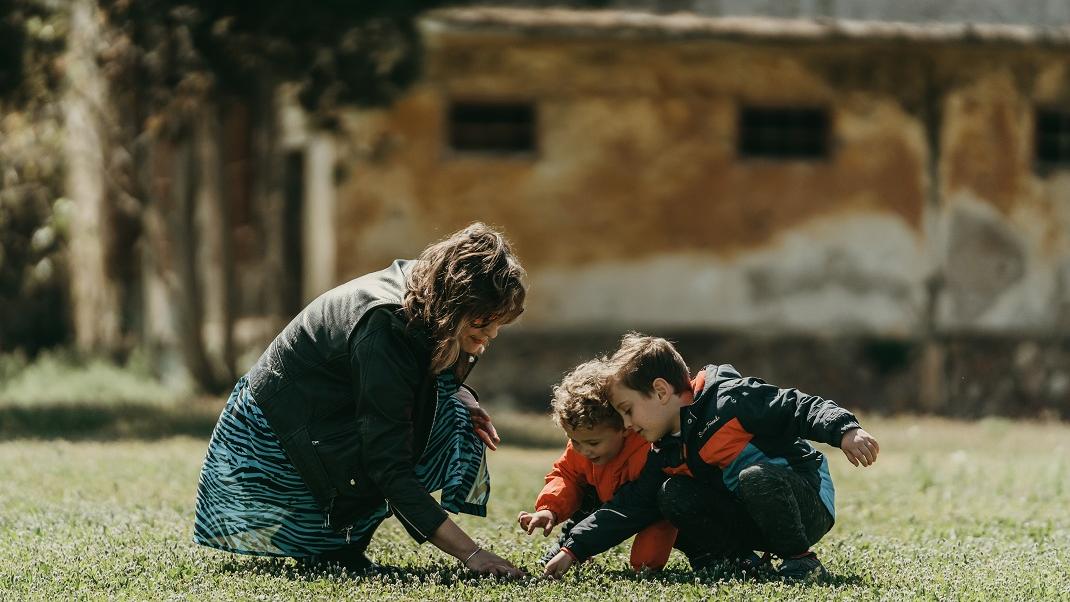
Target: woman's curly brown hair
x,y
581,400
470,275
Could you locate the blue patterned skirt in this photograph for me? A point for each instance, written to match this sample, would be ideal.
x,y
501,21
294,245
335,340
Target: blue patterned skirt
x,y
251,500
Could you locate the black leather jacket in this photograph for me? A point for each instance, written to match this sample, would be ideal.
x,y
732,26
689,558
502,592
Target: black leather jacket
x,y
348,389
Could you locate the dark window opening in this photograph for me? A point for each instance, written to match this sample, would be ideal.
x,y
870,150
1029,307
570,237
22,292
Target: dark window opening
x,y
783,133
1052,139
489,127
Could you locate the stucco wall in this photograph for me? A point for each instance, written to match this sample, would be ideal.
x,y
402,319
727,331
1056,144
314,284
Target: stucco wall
x,y
1002,225
637,210
923,266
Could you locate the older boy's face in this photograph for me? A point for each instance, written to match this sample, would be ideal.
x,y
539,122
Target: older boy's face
x,y
644,414
599,444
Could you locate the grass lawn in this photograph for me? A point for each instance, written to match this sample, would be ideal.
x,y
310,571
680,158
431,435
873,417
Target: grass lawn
x,y
951,511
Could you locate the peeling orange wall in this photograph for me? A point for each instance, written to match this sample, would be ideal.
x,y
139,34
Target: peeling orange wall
x,y
640,151
637,158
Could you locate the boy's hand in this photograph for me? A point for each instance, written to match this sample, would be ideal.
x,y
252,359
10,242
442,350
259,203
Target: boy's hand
x,y
480,418
558,565
530,521
860,447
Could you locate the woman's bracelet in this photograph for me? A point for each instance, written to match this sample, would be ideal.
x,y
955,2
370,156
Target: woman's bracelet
x,y
464,563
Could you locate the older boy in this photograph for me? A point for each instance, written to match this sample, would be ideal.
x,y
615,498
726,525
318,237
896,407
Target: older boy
x,y
600,457
730,465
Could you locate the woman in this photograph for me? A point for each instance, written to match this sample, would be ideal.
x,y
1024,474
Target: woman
x,y
357,410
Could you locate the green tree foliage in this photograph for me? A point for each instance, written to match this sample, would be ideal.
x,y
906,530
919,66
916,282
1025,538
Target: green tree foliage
x,y
33,213
163,59
338,51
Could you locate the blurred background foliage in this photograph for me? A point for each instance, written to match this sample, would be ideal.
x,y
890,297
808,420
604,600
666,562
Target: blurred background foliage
x,y
33,213
163,61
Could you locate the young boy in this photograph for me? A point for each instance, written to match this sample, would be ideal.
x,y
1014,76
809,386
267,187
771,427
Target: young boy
x,y
730,467
599,457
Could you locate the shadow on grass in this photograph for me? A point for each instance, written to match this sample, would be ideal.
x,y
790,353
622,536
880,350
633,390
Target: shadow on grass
x,y
448,573
715,576
288,568
194,418
89,421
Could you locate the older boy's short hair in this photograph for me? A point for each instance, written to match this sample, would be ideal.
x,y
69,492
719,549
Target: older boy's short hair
x,y
581,400
641,359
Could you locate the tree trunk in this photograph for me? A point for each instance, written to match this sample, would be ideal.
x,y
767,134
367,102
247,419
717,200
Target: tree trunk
x,y
319,216
187,292
269,204
172,242
95,295
214,259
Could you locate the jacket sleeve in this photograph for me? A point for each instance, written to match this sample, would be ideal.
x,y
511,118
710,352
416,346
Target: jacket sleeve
x,y
563,491
764,409
634,506
388,380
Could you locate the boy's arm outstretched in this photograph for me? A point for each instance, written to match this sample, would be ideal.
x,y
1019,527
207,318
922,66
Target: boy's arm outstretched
x,y
634,506
766,409
559,498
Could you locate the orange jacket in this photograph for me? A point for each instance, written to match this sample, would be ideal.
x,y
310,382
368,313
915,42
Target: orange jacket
x,y
563,493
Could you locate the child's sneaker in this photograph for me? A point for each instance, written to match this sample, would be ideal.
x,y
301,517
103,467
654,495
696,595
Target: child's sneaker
x,y
755,564
751,565
805,567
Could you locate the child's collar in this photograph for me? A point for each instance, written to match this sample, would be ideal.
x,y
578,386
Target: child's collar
x,y
698,383
673,439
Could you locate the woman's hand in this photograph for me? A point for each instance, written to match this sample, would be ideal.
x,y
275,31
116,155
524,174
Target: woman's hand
x,y
559,565
452,540
860,447
480,418
530,521
485,562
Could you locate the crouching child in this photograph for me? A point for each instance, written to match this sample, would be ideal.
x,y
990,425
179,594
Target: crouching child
x,y
730,466
599,457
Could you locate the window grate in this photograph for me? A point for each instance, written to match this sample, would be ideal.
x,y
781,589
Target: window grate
x,y
783,133
492,127
1052,139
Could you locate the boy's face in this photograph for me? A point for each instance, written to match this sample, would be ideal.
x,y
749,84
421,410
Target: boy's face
x,y
599,444
652,416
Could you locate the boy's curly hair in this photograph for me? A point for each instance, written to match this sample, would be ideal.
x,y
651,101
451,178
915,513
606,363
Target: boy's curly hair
x,y
581,400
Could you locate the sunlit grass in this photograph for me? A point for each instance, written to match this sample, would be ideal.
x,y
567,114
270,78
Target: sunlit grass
x,y
951,511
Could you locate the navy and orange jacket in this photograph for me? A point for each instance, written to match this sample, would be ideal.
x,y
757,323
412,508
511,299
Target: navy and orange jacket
x,y
734,422
563,494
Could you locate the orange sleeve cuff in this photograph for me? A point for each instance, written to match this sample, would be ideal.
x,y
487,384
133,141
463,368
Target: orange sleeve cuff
x,y
570,553
552,511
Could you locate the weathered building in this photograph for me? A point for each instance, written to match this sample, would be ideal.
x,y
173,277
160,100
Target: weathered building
x,y
887,201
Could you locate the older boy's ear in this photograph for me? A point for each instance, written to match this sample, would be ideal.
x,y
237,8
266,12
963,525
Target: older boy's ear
x,y
663,390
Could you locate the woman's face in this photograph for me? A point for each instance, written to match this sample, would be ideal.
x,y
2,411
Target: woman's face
x,y
477,334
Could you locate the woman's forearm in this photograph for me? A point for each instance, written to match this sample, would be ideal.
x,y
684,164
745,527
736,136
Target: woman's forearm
x,y
452,540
